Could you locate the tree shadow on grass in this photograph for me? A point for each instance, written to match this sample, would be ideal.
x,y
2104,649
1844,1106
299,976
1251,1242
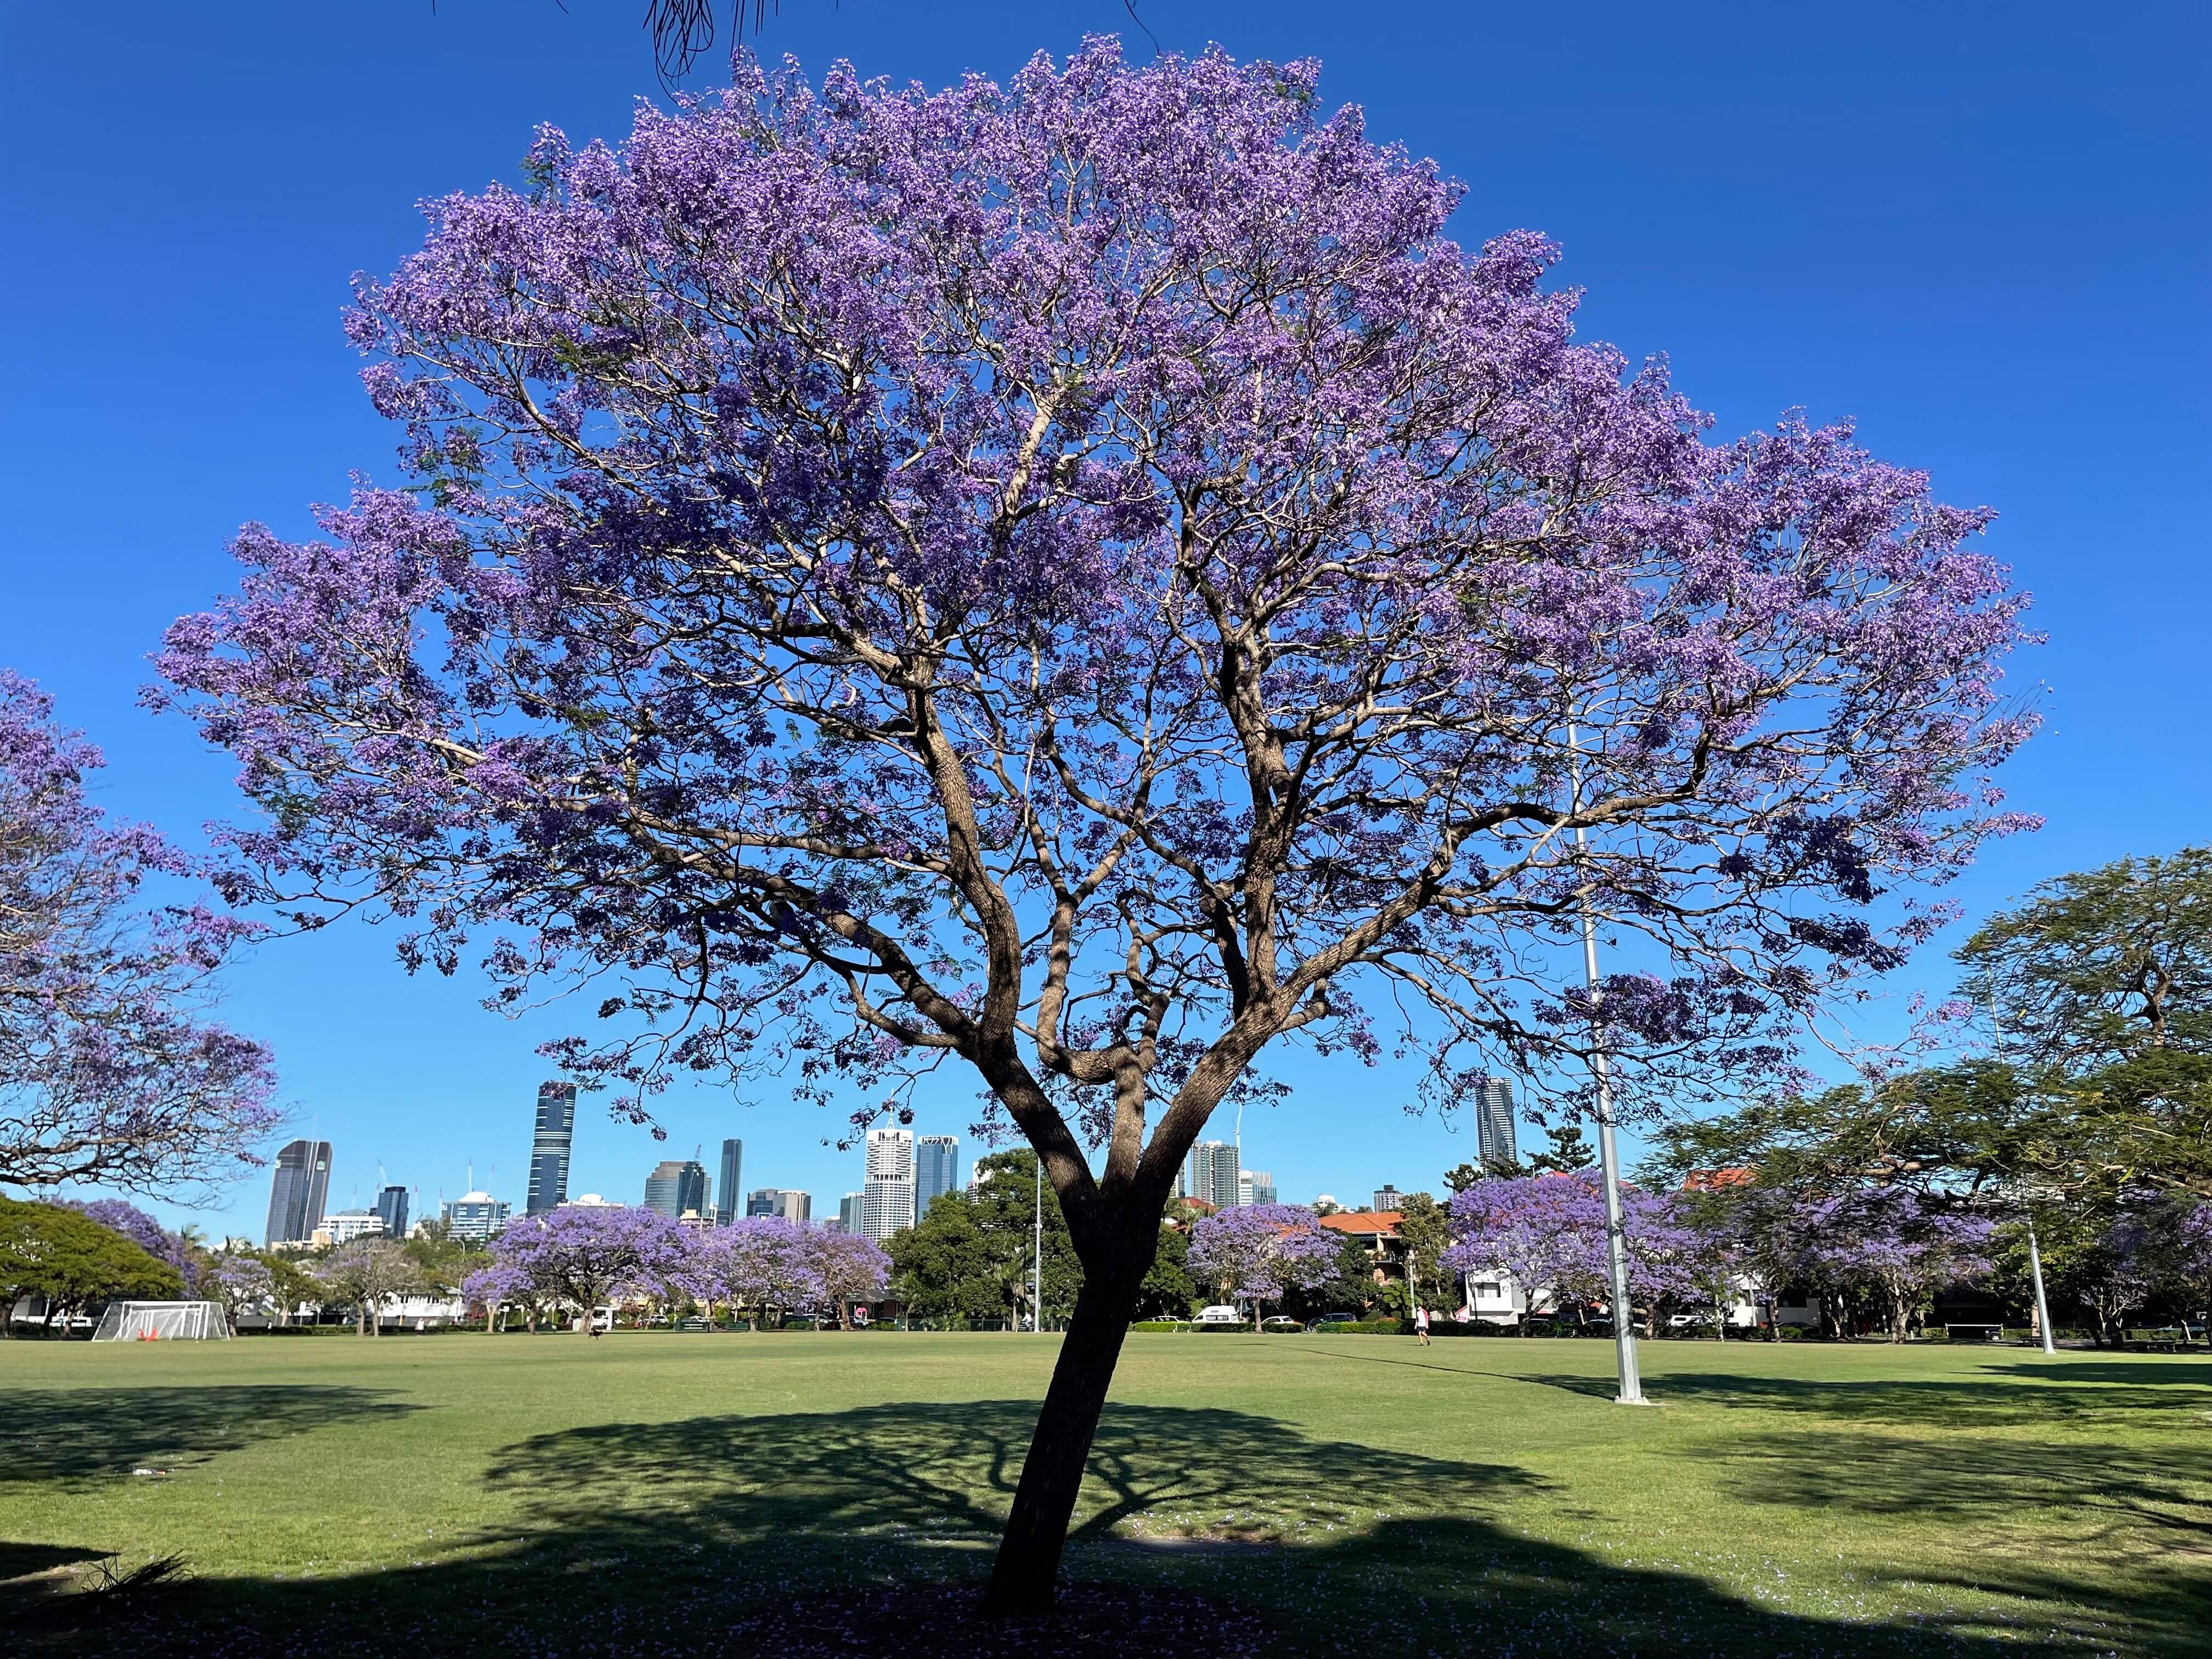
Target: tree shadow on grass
x,y
67,1437
756,1535
2000,1398
2033,1506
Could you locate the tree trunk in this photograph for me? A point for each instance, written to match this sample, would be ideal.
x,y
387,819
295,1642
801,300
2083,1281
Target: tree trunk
x,y
1023,1577
361,1319
490,1314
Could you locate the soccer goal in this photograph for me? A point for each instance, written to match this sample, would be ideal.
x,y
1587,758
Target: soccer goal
x,y
163,1321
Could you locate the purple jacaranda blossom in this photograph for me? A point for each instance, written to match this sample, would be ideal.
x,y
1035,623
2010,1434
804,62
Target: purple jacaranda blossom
x,y
761,1264
1083,578
580,1255
110,1075
1549,1232
1258,1251
490,1286
238,1280
1900,1244
848,1267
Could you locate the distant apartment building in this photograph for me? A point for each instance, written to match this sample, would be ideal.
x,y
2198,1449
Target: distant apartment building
x,y
1209,1174
1256,1187
676,1185
1496,1144
887,1192
550,1146
936,1169
476,1218
729,1183
346,1226
297,1193
849,1213
392,1206
1388,1198
785,1201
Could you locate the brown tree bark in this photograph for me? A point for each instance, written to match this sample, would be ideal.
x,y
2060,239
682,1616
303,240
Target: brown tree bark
x,y
1025,1573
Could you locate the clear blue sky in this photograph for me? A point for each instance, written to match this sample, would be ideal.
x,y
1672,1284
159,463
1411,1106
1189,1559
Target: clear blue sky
x,y
1980,229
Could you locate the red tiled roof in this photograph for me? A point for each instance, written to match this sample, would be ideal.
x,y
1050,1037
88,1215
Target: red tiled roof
x,y
1698,1180
1365,1223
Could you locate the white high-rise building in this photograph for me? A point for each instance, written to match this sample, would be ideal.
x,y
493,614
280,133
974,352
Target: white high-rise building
x,y
1256,1187
1210,1174
887,1194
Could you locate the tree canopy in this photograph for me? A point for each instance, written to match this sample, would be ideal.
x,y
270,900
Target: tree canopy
x,y
1084,579
108,1072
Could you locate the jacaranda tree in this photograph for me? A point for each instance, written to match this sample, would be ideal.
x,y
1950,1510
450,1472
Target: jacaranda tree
x,y
1256,1252
760,1263
580,1255
1549,1232
109,1073
1082,579
848,1267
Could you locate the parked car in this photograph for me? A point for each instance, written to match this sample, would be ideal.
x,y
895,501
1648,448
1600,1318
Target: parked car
x,y
1220,1314
1279,1323
1342,1317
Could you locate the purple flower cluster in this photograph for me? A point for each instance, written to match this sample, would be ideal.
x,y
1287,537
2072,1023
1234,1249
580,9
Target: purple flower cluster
x,y
1548,1231
111,1077
1260,1250
581,1257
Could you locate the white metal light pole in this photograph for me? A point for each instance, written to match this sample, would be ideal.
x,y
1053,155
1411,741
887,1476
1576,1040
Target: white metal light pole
x,y
2042,1306
1036,1267
2034,1252
1616,1243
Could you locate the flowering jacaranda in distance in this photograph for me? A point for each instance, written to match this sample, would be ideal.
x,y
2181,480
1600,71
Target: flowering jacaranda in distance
x,y
1258,1251
1084,579
110,1073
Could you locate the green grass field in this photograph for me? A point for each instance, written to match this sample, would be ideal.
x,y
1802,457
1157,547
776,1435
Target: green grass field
x,y
642,1492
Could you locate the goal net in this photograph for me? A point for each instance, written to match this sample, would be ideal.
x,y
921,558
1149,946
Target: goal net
x,y
162,1322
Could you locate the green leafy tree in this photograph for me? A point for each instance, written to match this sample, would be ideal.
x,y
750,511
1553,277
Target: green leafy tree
x,y
947,1269
1169,1292
2100,986
967,1260
73,1262
1568,1153
1425,1229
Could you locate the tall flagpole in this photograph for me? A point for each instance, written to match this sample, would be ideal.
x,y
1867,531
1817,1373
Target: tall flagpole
x,y
1616,1243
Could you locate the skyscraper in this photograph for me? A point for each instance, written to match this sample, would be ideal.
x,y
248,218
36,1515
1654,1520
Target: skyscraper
x,y
299,1191
392,1204
676,1185
1388,1198
787,1202
548,1147
936,1169
476,1218
1255,1187
887,1194
849,1213
1209,1174
1495,1142
728,1206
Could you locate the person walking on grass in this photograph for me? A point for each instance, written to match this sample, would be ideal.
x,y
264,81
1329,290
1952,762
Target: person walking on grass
x,y
1421,1325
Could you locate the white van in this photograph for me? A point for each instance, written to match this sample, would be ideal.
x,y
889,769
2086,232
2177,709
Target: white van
x,y
1219,1315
